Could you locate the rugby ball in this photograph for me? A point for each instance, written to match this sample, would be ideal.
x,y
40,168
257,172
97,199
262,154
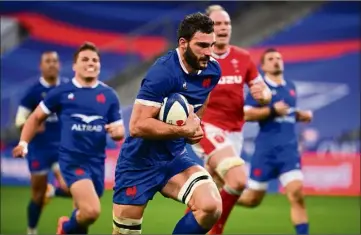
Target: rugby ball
x,y
174,110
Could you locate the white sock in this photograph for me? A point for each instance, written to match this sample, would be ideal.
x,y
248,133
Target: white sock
x,y
32,231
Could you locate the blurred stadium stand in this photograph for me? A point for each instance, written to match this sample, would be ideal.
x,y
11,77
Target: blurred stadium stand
x,y
320,42
126,32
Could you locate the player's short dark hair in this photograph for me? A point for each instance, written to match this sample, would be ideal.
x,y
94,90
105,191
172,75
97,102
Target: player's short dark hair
x,y
85,47
194,23
269,50
213,8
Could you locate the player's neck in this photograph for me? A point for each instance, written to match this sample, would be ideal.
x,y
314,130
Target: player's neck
x,y
278,79
51,81
220,50
84,83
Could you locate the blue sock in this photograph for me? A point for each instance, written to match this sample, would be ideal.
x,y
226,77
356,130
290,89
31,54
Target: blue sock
x,y
189,225
73,227
59,192
301,228
34,212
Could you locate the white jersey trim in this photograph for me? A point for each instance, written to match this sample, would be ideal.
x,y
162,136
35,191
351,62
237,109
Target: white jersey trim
x,y
21,115
247,107
119,122
44,108
148,103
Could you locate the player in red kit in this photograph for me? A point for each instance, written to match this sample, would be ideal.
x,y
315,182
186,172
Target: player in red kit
x,y
223,119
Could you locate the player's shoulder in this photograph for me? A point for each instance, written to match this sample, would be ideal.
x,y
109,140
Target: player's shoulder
x,y
290,83
240,52
214,67
166,61
107,90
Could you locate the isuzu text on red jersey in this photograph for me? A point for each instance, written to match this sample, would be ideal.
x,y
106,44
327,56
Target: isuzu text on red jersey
x,y
225,107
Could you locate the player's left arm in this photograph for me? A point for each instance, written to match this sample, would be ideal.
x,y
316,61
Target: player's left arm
x,y
258,88
303,115
115,126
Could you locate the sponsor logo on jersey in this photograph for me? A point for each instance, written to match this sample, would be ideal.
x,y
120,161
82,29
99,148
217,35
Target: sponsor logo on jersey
x,y
87,126
230,80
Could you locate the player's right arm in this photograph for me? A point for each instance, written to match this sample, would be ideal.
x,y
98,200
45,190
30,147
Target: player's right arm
x,y
35,120
253,111
144,122
27,104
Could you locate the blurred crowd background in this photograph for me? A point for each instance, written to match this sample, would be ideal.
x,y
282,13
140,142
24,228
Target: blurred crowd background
x,y
320,43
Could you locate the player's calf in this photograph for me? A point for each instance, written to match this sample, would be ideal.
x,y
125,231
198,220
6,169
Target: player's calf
x,y
229,167
38,189
298,208
88,207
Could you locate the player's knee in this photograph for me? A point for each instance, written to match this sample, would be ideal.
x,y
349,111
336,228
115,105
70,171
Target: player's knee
x,y
90,213
38,197
295,195
123,225
230,169
210,209
251,198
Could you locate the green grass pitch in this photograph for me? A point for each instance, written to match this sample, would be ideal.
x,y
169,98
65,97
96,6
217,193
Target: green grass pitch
x,y
328,215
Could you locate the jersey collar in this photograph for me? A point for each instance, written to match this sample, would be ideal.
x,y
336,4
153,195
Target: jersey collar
x,y
182,65
44,83
272,83
77,84
224,55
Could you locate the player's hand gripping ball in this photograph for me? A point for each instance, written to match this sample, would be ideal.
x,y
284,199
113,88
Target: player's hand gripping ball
x,y
174,110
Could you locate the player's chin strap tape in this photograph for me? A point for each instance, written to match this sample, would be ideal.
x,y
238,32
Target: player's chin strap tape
x,y
127,226
227,164
195,180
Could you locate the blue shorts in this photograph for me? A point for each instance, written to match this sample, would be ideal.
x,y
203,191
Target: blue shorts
x,y
272,164
41,161
75,167
136,183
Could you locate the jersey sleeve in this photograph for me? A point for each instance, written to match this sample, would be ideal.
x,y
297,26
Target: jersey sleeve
x,y
28,101
27,104
250,102
156,85
114,114
252,76
51,103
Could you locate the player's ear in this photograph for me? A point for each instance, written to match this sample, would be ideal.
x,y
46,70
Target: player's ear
x,y
183,43
74,67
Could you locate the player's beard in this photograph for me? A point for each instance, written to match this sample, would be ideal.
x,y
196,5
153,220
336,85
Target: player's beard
x,y
192,59
89,79
278,70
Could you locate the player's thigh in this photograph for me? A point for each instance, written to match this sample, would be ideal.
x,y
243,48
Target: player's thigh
x,y
262,170
228,165
136,184
193,187
127,219
289,165
97,170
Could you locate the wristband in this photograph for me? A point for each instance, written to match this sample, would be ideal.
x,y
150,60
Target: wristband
x,y
23,143
273,112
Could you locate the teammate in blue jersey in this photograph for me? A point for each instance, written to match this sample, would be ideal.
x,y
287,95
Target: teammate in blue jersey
x,y
88,110
276,149
153,158
43,155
